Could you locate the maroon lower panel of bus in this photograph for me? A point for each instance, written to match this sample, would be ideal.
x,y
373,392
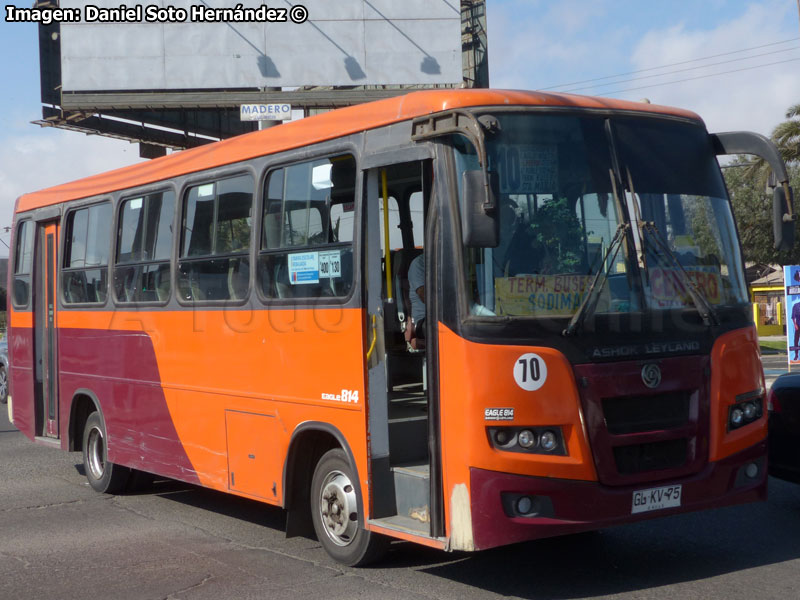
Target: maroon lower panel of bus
x,y
120,369
20,349
574,506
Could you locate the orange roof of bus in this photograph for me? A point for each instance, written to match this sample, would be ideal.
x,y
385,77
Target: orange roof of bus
x,y
316,129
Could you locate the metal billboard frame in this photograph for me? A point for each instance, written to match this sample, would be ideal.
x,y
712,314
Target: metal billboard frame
x,y
158,120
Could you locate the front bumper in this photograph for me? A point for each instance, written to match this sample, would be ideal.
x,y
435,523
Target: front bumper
x,y
574,506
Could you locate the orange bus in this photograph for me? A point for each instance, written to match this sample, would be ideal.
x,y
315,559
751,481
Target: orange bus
x,y
575,350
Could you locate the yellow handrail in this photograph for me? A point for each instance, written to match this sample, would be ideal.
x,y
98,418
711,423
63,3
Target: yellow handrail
x,y
374,338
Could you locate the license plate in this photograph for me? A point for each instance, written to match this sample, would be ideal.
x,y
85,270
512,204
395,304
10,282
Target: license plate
x,y
656,498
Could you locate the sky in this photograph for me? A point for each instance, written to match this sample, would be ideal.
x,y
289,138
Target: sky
x,y
734,62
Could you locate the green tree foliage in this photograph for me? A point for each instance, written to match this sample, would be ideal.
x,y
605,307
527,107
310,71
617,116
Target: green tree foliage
x,y
752,207
558,232
787,135
752,203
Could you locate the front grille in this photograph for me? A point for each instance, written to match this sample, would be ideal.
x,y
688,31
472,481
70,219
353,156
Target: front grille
x,y
646,413
653,456
640,434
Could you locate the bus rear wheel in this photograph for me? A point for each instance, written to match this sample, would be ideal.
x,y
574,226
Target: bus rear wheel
x,y
335,512
103,476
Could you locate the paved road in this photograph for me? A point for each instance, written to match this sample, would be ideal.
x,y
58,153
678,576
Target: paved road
x,y
59,539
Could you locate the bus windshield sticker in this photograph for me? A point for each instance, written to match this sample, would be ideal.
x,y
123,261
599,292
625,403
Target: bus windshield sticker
x,y
530,372
668,291
136,204
330,264
304,268
498,414
551,295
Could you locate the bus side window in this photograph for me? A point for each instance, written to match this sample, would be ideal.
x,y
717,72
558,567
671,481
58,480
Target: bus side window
x,y
23,263
84,276
214,263
307,232
144,245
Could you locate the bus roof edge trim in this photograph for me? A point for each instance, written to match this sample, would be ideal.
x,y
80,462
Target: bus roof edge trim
x,y
317,129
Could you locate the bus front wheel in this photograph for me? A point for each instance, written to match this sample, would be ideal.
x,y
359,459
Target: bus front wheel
x,y
335,511
103,476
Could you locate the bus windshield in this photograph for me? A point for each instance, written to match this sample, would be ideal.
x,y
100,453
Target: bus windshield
x,y
564,184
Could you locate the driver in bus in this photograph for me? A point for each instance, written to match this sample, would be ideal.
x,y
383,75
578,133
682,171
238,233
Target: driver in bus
x,y
416,293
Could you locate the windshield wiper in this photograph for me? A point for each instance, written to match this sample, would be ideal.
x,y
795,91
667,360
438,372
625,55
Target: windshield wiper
x,y
703,306
593,295
707,312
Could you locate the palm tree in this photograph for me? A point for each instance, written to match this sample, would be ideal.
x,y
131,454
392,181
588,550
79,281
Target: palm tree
x,y
787,135
787,138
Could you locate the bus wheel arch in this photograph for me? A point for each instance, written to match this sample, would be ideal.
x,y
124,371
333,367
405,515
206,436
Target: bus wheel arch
x,y
87,431
84,403
312,444
309,442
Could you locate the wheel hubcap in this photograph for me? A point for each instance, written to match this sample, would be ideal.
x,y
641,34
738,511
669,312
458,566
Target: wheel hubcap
x,y
95,452
338,508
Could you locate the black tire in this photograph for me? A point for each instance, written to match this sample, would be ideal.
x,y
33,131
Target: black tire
x,y
3,385
104,477
338,516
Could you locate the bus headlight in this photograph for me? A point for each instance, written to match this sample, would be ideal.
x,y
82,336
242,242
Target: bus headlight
x,y
533,440
749,408
548,441
526,438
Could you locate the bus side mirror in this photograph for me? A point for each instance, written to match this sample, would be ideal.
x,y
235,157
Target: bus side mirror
x,y
783,217
480,226
746,142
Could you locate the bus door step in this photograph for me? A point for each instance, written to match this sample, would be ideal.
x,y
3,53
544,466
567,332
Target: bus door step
x,y
412,492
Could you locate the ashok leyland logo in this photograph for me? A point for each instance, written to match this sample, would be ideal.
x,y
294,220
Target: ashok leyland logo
x,y
651,375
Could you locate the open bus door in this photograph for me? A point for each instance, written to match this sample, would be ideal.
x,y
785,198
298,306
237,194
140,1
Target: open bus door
x,y
405,474
45,341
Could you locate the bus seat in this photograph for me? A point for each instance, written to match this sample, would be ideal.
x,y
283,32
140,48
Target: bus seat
x,y
283,287
238,279
162,286
76,290
125,291
198,293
